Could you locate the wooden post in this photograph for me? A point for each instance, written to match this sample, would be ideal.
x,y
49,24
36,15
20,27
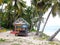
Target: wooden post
x,y
15,27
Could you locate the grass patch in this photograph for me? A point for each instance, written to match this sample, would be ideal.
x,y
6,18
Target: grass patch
x,y
3,30
33,30
15,44
51,42
54,43
2,40
44,36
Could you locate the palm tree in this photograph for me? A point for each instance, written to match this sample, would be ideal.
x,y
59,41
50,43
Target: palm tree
x,y
2,2
29,16
45,23
55,8
19,5
37,10
39,23
13,12
41,7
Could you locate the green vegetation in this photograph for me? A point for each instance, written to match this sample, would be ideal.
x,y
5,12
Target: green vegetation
x,y
2,40
33,30
15,44
3,30
45,36
54,43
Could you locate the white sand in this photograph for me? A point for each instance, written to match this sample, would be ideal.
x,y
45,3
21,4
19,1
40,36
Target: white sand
x,y
28,40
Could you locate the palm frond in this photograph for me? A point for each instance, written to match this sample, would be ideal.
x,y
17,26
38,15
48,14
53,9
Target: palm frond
x,y
54,9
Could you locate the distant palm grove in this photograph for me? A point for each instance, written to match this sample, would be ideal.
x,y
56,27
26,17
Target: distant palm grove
x,y
33,14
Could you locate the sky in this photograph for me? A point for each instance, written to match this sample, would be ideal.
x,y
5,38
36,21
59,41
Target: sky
x,y
28,2
53,24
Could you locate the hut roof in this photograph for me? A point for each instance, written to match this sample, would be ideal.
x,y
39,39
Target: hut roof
x,y
20,21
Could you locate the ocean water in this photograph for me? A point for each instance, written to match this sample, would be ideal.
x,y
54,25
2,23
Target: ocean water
x,y
52,26
50,30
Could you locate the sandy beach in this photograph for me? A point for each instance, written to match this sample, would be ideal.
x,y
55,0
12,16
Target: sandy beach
x,y
31,39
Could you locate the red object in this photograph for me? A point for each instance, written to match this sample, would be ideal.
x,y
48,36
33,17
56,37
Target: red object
x,y
13,32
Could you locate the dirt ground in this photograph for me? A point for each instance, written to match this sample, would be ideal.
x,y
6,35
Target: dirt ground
x,y
31,39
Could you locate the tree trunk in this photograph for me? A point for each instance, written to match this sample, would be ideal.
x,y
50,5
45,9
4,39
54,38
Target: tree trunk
x,y
15,10
40,18
52,37
31,26
45,22
38,27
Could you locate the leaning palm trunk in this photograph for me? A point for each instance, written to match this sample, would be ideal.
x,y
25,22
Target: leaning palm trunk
x,y
45,23
52,37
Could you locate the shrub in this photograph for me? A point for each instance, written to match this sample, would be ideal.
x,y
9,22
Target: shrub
x,y
2,40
